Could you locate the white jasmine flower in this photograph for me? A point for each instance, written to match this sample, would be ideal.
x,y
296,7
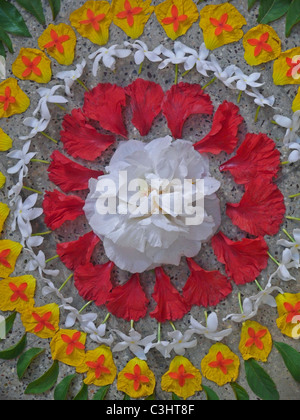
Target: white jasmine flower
x,y
38,126
24,213
34,241
244,80
248,312
48,96
97,334
108,57
176,57
283,270
134,342
70,77
295,155
38,262
226,76
260,100
51,289
199,59
143,52
24,158
210,331
75,315
181,342
264,297
15,191
162,346
292,127
293,246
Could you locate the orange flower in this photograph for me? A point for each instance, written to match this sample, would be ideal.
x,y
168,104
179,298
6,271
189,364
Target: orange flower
x,y
288,306
60,42
256,341
287,68
176,16
221,25
12,101
42,321
32,64
261,44
17,293
132,15
93,20
68,346
136,379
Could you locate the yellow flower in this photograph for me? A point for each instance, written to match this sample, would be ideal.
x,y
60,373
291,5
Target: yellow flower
x,y
136,379
288,306
17,293
296,102
182,378
43,321
287,68
68,346
93,20
32,64
4,211
221,25
2,183
221,365
261,44
132,15
12,101
176,16
256,341
59,41
9,253
100,367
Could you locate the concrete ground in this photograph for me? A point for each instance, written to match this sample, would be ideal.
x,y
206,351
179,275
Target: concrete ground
x,y
195,129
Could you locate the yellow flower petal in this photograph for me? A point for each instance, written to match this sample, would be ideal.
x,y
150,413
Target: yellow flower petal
x,y
68,346
5,141
221,25
12,101
296,102
261,44
221,365
59,41
136,379
256,341
9,253
17,293
43,321
100,367
2,181
176,16
93,20
182,378
32,64
4,212
131,15
287,68
288,306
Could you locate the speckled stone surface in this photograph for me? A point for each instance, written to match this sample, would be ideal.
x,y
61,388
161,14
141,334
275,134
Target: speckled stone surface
x,y
194,130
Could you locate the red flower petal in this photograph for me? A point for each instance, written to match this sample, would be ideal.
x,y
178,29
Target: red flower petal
x,y
257,157
104,104
93,282
224,133
146,99
129,301
243,260
205,288
68,175
81,140
182,101
170,304
59,208
78,252
261,210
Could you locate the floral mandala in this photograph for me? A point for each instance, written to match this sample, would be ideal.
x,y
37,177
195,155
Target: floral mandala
x,y
122,263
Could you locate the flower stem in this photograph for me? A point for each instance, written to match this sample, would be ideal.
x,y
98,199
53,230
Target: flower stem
x,y
288,235
239,97
140,69
159,332
185,73
82,84
273,259
285,163
132,324
206,316
61,107
295,195
259,286
106,319
48,137
32,190
240,302
176,74
209,83
85,306
257,113
42,233
64,284
40,161
173,326
51,259
293,218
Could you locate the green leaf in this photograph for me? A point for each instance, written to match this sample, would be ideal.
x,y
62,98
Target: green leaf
x,y
101,393
6,40
293,16
34,7
260,382
62,389
210,394
26,359
251,3
151,397
175,397
291,359
11,20
240,393
55,7
3,53
15,351
271,10
83,394
45,382
126,397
